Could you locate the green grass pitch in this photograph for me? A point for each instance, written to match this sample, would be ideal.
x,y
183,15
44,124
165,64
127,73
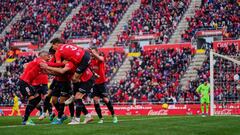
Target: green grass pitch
x,y
129,125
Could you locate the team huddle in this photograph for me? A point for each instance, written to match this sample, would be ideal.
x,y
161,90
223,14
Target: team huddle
x,y
77,72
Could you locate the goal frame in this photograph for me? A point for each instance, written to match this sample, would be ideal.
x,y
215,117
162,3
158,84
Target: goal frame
x,y
212,54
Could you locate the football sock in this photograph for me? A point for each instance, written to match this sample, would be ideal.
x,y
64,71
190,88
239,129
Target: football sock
x,y
98,110
206,108
202,108
30,107
56,106
71,109
81,106
47,105
61,110
78,108
110,107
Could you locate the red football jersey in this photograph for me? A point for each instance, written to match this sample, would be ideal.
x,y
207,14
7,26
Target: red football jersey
x,y
32,70
69,74
87,75
69,52
99,68
40,79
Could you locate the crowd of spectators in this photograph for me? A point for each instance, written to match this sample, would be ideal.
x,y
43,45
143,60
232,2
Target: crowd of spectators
x,y
9,79
96,20
41,18
9,8
155,17
153,77
226,76
215,14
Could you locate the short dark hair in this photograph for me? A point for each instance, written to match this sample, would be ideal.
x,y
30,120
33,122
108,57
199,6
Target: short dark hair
x,y
42,52
94,48
51,50
56,40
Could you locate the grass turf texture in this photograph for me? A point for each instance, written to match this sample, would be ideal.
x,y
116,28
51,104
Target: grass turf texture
x,y
129,125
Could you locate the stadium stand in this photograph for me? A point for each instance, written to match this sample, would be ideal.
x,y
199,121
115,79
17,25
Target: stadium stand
x,y
96,20
40,20
154,77
215,14
154,17
9,78
9,8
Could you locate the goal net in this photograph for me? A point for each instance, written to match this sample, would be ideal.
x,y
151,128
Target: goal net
x,y
225,84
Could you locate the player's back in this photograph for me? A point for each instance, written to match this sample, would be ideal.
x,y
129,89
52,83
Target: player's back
x,y
70,52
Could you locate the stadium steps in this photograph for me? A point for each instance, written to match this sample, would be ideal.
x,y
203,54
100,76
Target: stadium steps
x,y
191,73
183,24
7,29
121,74
17,17
58,33
112,39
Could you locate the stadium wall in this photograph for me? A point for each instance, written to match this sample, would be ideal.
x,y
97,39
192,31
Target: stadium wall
x,y
177,109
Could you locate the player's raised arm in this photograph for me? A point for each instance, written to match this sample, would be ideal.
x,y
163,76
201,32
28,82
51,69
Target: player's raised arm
x,y
96,55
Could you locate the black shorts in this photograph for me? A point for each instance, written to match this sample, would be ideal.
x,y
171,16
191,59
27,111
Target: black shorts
x,y
41,89
83,87
83,65
26,89
100,90
62,89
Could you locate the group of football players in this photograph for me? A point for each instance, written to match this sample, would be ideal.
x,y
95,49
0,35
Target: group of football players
x,y
78,72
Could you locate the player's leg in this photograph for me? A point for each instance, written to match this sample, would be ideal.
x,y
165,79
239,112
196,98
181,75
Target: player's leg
x,y
98,108
85,88
18,112
71,109
96,98
43,90
80,89
202,101
76,120
207,106
70,99
60,117
40,109
32,103
33,100
47,106
104,95
55,93
110,108
79,106
13,110
65,88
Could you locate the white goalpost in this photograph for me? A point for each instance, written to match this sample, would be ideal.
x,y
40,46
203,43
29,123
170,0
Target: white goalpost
x,y
222,70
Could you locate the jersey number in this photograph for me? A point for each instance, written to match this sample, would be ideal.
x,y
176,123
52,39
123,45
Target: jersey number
x,y
71,47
